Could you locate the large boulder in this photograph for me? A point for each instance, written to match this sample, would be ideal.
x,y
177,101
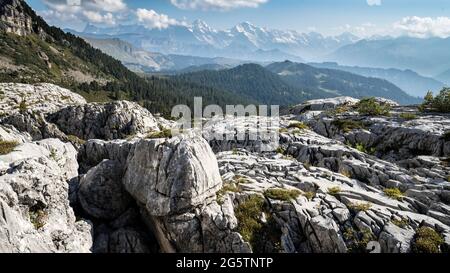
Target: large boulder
x,y
172,175
112,120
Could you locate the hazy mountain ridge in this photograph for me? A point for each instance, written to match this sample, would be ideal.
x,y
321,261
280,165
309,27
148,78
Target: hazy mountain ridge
x,y
140,60
409,81
244,41
428,57
338,83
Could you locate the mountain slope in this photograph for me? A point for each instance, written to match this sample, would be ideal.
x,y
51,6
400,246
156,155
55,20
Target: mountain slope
x,y
409,81
338,83
32,51
426,56
254,82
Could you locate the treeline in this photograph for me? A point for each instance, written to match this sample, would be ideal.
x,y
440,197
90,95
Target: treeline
x,y
250,81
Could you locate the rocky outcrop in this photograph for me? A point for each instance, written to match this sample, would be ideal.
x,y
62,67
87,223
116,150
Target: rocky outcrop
x,y
13,19
34,200
40,98
170,176
120,119
338,182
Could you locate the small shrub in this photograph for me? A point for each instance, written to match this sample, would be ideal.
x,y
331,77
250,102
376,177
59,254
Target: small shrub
x,y
253,230
280,150
348,125
394,193
363,149
408,116
427,240
38,217
357,241
23,108
360,206
371,107
334,190
298,125
7,146
282,194
440,103
53,154
165,133
346,173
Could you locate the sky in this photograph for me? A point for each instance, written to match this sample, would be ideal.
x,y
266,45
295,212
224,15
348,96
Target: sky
x,y
417,18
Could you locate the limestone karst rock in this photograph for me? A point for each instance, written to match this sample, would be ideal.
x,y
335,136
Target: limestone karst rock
x,y
34,199
114,120
336,183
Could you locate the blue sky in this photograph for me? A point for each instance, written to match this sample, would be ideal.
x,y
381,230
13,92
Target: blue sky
x,y
330,17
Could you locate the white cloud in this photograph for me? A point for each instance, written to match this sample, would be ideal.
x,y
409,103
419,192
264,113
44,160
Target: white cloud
x,y
424,27
99,18
217,4
93,11
152,19
374,2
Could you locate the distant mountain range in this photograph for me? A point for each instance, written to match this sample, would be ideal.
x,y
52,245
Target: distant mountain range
x,y
244,41
288,83
428,57
332,83
408,80
140,60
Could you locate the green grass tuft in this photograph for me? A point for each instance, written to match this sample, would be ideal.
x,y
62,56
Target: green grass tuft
x,y
253,230
165,133
408,116
360,206
394,193
282,194
7,146
348,125
298,125
334,190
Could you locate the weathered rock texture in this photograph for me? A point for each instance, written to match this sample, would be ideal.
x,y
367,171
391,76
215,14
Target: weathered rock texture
x,y
339,182
34,200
